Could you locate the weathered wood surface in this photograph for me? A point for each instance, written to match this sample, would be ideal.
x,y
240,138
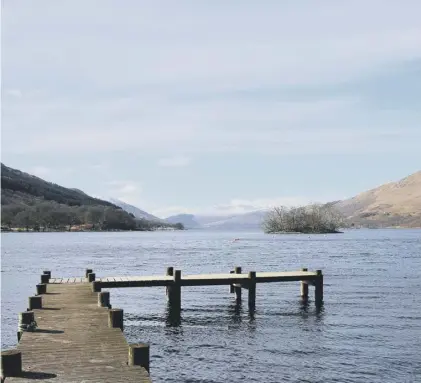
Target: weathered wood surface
x,y
67,280
73,342
206,279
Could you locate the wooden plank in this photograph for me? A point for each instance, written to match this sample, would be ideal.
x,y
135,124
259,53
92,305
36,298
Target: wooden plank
x,y
73,342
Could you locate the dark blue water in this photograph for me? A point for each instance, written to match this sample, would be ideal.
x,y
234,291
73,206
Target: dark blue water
x,y
369,329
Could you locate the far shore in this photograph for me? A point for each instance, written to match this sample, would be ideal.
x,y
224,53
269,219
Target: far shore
x,y
14,230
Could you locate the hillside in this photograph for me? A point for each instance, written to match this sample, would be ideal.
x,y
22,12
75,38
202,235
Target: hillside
x,y
20,187
31,203
389,205
187,220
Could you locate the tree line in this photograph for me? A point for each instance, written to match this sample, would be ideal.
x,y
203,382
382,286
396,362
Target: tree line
x,y
52,216
315,218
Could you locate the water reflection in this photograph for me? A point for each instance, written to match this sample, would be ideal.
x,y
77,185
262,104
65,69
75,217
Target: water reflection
x,y
235,312
172,316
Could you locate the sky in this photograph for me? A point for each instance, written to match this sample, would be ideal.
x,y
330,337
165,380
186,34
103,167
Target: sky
x,y
212,107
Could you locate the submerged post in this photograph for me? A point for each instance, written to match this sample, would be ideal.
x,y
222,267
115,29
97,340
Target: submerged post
x,y
91,277
252,289
115,318
45,278
174,291
11,363
304,287
231,285
237,288
139,355
41,288
47,272
87,272
318,291
35,302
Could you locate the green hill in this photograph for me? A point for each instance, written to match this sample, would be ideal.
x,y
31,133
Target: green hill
x,y
31,203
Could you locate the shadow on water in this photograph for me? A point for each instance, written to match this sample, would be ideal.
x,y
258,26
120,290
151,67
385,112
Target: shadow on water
x,y
235,311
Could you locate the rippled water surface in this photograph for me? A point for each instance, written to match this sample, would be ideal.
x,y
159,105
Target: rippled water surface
x,y
369,329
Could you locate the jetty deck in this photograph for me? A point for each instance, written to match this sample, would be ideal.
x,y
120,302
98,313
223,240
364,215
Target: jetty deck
x,y
194,280
73,341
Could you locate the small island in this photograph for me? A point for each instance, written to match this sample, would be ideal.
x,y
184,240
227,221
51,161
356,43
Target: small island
x,y
311,219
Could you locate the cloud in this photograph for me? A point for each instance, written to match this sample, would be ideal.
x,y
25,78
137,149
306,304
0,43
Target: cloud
x,y
276,83
174,162
13,93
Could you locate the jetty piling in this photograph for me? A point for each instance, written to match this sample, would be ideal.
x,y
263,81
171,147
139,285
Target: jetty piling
x,y
104,299
91,277
304,287
237,287
45,278
41,288
35,302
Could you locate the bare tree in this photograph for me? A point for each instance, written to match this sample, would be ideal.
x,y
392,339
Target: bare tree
x,y
315,218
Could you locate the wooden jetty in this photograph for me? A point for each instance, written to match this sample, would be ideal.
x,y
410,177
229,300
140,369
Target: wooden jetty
x,y
70,333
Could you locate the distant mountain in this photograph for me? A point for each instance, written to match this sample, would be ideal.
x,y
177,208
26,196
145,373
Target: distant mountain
x,y
245,221
389,205
140,214
188,220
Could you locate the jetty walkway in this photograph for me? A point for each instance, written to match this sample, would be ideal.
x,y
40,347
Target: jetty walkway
x,y
71,333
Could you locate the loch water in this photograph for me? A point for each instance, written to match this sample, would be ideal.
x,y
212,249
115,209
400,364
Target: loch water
x,y
368,330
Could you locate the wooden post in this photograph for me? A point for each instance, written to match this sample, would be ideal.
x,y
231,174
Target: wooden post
x,y
139,355
26,318
231,285
237,288
35,302
252,289
47,273
45,278
96,286
91,277
170,273
41,288
318,291
88,271
11,363
304,287
115,318
174,291
104,299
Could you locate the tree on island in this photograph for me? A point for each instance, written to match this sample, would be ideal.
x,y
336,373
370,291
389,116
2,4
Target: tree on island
x,y
315,218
